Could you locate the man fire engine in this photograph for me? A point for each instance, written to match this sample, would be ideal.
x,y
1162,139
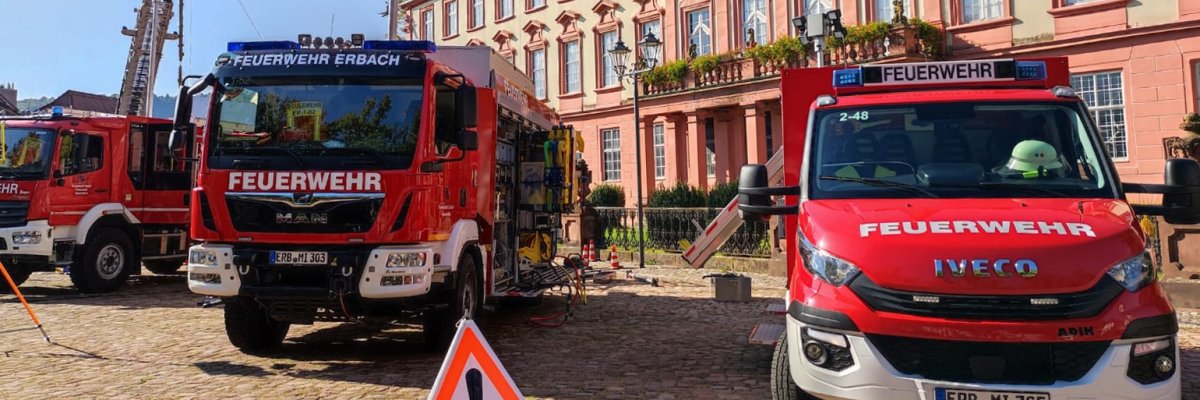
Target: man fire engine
x,y
962,234
98,196
371,181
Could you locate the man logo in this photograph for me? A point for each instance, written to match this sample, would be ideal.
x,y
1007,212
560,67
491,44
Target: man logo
x,y
301,218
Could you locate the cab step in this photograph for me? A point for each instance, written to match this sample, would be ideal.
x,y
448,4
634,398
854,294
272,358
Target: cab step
x,y
766,333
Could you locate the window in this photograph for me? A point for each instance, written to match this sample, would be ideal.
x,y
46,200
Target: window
x,y
816,6
427,24
1074,2
652,26
1196,80
710,146
660,152
699,33
754,20
1104,95
451,18
151,165
476,13
536,4
571,61
608,40
884,10
769,127
81,153
537,60
445,122
980,10
612,154
504,9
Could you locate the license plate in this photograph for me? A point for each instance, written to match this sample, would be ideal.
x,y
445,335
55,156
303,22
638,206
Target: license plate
x,y
960,394
300,257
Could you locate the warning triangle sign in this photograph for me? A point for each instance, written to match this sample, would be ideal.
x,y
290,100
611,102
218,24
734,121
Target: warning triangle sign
x,y
471,370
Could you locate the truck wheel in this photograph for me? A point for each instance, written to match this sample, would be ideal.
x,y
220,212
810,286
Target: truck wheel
x,y
251,328
106,263
163,267
782,386
466,302
19,275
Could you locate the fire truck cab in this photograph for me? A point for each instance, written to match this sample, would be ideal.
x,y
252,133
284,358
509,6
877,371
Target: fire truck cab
x,y
97,196
372,181
960,232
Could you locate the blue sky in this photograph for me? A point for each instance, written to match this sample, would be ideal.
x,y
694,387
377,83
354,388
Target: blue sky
x,y
55,45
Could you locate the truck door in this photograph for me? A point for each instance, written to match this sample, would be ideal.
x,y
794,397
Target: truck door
x,y
81,178
160,180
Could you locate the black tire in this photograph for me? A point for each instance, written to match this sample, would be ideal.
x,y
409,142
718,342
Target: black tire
x,y
467,300
782,385
163,267
251,328
106,263
19,275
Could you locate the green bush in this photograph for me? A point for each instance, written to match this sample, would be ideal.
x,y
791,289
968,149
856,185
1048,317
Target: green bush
x,y
721,194
681,195
788,49
671,72
932,37
606,195
708,62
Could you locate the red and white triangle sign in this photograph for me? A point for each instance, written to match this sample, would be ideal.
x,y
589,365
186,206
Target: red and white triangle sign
x,y
471,370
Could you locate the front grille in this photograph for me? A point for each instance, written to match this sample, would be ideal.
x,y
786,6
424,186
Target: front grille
x,y
1083,304
990,362
272,215
13,213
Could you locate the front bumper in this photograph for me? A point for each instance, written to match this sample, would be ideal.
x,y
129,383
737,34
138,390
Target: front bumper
x,y
35,256
370,278
871,377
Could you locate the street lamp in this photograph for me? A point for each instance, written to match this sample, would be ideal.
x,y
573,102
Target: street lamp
x,y
816,27
619,54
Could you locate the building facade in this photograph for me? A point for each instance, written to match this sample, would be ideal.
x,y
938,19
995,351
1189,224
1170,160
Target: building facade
x,y
1137,63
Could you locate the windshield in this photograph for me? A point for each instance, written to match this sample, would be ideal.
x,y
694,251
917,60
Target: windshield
x,y
320,124
25,153
964,150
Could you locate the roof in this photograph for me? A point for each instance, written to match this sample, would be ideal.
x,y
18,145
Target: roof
x,y
8,102
84,102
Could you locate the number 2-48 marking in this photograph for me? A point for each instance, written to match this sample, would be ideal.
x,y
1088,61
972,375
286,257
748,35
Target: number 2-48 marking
x,y
857,116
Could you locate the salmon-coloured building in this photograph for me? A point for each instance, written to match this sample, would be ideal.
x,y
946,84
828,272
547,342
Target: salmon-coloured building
x,y
1136,62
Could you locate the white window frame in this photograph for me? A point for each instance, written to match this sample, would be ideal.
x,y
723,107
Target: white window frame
x,y
1106,104
755,18
506,9
981,10
883,10
477,13
608,74
538,70
655,26
1074,2
701,30
536,4
660,151
427,20
573,68
452,18
611,154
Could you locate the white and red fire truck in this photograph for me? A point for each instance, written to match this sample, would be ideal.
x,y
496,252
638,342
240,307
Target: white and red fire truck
x,y
372,180
961,233
98,196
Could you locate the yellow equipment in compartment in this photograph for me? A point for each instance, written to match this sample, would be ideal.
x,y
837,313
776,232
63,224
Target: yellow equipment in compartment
x,y
535,247
564,158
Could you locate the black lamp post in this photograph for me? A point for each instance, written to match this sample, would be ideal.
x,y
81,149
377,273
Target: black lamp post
x,y
619,54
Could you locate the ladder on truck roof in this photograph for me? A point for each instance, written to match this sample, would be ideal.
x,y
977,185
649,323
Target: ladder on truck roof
x,y
728,221
145,52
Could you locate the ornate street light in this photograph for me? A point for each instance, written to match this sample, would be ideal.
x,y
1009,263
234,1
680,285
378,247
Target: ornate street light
x,y
649,46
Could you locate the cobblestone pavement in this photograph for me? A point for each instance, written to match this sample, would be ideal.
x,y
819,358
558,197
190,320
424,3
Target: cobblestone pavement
x,y
631,341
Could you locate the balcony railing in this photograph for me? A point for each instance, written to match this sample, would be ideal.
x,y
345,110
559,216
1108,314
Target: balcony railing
x,y
673,229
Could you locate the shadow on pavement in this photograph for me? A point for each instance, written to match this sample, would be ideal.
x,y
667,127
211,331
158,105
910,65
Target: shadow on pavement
x,y
144,291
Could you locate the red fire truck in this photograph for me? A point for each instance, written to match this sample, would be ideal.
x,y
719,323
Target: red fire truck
x,y
98,196
962,233
372,180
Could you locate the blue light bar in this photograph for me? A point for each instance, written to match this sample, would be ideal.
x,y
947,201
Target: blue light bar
x,y
419,46
848,77
269,45
1031,70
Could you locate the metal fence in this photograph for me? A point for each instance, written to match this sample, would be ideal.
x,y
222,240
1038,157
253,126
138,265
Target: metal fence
x,y
673,230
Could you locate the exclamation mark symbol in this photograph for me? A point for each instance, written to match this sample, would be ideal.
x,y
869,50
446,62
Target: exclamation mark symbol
x,y
474,384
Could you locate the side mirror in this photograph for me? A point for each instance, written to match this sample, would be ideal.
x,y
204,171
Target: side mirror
x,y
180,137
1181,193
468,140
183,128
465,106
754,194
58,177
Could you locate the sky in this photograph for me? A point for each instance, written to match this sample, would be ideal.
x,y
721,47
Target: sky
x,y
55,45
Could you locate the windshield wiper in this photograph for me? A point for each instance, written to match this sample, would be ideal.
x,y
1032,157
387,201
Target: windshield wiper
x,y
1004,186
882,183
283,150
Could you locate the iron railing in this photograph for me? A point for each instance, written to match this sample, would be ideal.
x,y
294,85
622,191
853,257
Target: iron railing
x,y
673,230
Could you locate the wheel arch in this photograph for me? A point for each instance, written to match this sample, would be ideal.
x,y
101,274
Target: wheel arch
x,y
108,215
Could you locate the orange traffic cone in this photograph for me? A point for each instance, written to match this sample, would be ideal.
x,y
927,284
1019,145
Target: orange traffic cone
x,y
587,253
612,257
592,251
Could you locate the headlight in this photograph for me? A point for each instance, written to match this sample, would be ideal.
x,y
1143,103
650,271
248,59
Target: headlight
x,y
27,237
829,268
1134,273
403,260
202,257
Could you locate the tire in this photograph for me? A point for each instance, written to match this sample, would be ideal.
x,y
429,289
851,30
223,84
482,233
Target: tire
x,y
19,275
163,267
467,301
250,327
782,385
107,262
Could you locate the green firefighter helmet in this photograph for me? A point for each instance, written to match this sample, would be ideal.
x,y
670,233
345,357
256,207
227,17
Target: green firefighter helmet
x,y
1033,156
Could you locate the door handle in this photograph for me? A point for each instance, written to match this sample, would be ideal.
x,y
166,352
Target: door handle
x,y
101,190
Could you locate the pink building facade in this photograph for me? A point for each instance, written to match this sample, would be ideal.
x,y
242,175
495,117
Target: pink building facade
x,y
1137,63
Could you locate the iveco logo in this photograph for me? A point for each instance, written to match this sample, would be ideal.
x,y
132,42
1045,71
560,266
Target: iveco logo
x,y
301,218
983,268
